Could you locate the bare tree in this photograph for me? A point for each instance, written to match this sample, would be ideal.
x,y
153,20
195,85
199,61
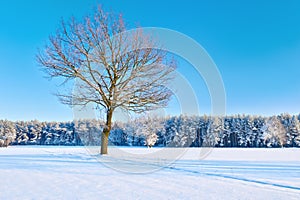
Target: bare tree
x,y
113,68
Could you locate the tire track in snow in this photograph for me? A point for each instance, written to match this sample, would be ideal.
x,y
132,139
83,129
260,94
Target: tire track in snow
x,y
218,175
140,163
236,178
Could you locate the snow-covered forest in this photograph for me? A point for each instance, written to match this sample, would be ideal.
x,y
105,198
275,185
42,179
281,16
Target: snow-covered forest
x,y
179,131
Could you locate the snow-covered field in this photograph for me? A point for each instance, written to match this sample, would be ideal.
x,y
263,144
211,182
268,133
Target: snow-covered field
x,y
33,172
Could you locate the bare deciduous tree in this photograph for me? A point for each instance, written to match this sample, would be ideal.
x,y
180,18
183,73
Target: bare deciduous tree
x,y
112,68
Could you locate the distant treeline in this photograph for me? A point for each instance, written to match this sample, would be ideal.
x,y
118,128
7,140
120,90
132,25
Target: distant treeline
x,y
178,131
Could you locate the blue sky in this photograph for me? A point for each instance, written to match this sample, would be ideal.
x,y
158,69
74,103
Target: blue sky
x,y
255,44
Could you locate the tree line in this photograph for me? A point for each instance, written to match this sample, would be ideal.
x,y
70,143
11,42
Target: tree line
x,y
177,131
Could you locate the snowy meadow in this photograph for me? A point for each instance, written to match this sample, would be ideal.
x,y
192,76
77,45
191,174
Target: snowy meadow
x,y
49,172
150,114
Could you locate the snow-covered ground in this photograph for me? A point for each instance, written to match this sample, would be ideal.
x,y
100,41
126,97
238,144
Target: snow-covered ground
x,y
33,172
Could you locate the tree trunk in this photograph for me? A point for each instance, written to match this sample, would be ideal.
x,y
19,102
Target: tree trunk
x,y
6,142
104,141
105,133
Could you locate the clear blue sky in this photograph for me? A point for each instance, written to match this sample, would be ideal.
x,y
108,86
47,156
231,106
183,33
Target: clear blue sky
x,y
255,44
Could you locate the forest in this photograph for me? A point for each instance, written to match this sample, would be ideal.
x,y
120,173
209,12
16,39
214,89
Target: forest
x,y
177,131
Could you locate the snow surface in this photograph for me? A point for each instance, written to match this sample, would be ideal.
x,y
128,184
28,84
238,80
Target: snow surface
x,y
35,172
